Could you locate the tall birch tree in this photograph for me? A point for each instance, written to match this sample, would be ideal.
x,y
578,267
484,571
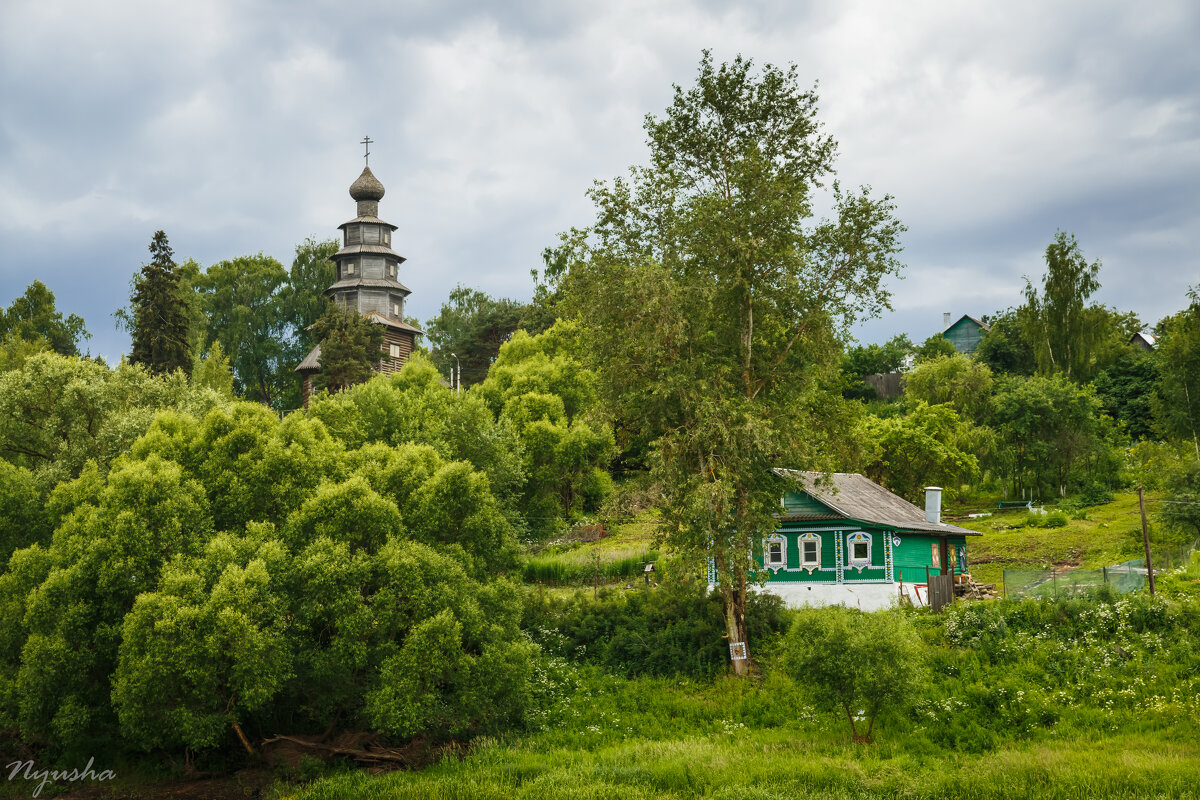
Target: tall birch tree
x,y
713,306
1057,322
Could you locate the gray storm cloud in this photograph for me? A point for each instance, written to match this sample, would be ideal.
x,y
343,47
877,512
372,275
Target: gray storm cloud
x,y
234,127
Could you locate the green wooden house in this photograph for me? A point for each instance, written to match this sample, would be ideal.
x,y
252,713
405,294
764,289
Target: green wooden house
x,y
966,334
843,539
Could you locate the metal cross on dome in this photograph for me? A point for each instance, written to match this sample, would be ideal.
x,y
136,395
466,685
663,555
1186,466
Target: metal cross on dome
x,y
366,142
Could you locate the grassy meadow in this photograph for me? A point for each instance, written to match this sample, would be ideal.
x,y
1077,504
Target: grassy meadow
x,y
1028,712
1093,537
1074,698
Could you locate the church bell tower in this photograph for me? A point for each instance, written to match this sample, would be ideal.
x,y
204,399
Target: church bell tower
x,y
367,279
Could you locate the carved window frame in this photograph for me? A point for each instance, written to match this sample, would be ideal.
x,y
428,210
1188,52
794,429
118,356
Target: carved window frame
x,y
858,537
769,562
805,564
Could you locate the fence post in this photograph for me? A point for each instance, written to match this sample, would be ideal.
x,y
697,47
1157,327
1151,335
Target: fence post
x,y
1146,539
1004,583
1054,581
1104,570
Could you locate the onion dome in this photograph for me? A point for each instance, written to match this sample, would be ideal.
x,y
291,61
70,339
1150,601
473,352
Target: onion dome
x,y
367,187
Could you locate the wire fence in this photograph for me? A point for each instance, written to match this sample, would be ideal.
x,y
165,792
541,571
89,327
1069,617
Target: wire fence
x,y
1124,578
1065,583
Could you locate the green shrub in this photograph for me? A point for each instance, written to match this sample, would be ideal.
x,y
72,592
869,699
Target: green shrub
x,y
1055,519
854,663
674,629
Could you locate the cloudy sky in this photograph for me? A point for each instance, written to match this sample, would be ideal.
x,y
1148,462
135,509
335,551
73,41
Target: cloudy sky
x,y
234,126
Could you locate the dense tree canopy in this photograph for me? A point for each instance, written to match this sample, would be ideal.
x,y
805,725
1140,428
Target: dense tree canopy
x,y
1053,436
929,445
241,300
472,325
539,389
964,383
1004,348
56,413
1177,402
236,571
32,317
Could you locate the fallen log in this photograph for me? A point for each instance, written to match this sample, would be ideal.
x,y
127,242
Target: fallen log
x,y
357,753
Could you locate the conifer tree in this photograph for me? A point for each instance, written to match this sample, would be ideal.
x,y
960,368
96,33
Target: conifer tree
x,y
160,313
350,347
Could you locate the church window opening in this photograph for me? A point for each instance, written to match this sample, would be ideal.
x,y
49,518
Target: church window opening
x,y
395,309
349,267
394,350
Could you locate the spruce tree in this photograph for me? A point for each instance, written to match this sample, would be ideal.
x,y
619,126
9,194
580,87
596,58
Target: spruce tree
x,y
351,346
160,318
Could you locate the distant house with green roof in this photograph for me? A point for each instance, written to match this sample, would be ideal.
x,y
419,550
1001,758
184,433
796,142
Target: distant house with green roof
x,y
965,334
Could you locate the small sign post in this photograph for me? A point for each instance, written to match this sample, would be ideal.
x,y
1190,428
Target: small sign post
x,y
737,651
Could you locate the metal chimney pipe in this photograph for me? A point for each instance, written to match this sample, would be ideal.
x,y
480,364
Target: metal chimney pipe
x,y
945,320
933,504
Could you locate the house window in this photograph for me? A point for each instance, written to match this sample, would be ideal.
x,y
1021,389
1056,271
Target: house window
x,y
858,547
810,551
775,550
935,555
394,350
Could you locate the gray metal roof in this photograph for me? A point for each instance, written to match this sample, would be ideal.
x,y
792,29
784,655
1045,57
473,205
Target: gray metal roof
x,y
375,316
375,249
370,283
372,220
857,497
311,362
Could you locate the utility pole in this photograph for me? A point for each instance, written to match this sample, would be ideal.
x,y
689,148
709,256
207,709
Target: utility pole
x,y
1146,540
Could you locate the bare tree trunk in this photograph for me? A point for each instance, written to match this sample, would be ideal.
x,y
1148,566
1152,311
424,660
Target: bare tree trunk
x,y
245,742
733,599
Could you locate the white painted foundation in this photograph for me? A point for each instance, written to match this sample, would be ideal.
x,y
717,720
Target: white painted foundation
x,y
865,596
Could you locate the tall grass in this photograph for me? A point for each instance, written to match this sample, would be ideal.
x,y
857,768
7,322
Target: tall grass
x,y
773,766
564,570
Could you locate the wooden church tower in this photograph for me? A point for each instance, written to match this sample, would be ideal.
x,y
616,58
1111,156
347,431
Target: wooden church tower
x,y
367,280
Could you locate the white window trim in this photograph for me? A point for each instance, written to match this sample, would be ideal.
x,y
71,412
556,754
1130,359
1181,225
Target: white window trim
x,y
854,538
394,350
804,562
770,563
